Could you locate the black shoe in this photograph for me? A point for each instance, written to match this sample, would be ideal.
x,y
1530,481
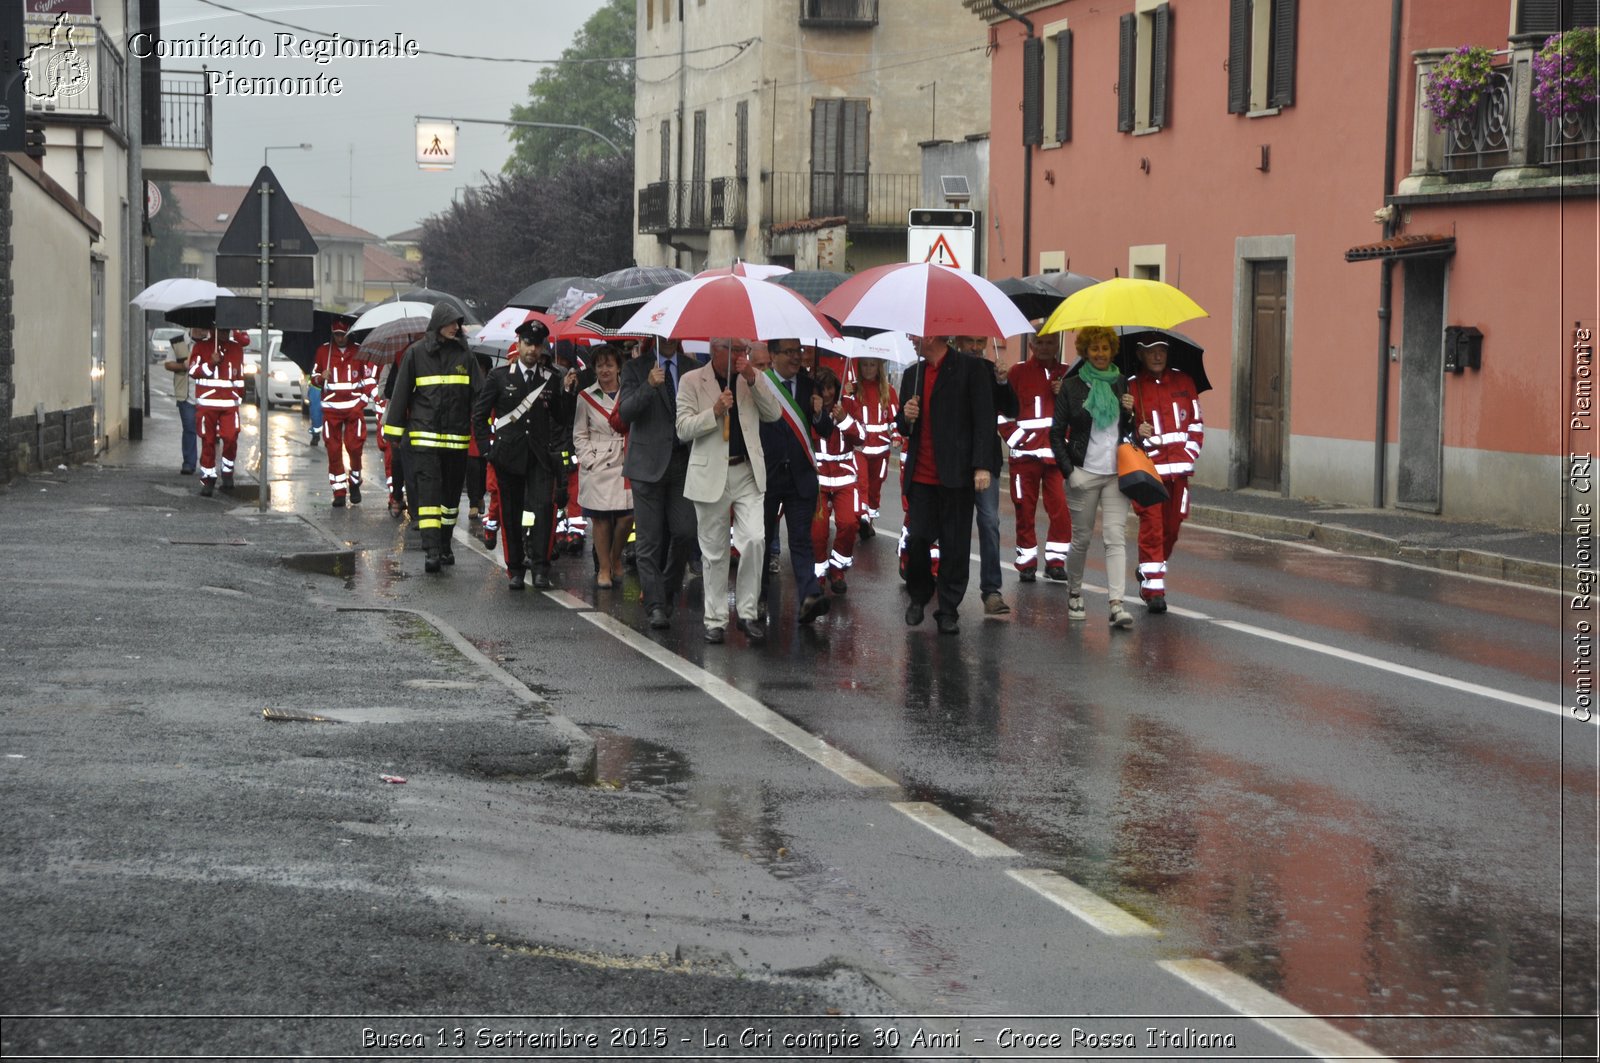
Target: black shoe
x,y
338,501
227,481
813,607
490,537
1156,603
1057,572
447,555
1027,575
754,630
189,471
541,580
355,494
715,636
866,531
517,581
658,618
913,614
837,585
947,624
432,563
206,490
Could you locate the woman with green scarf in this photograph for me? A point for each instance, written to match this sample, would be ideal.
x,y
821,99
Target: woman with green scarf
x,y
1091,419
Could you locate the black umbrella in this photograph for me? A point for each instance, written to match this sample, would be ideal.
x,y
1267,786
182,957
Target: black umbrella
x,y
434,298
1032,296
301,347
203,316
1065,283
811,283
1182,353
613,311
633,276
539,295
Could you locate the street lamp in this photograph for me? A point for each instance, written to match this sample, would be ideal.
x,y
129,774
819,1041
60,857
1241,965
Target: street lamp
x,y
283,147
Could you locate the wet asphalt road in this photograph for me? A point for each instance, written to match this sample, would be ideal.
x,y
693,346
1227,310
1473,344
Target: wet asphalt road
x,y
1363,842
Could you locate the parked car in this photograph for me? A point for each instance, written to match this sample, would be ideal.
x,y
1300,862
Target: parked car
x,y
285,383
161,342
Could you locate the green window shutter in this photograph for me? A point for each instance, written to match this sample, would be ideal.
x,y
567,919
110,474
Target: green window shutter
x,y
1063,86
1033,91
1285,16
1127,33
1160,66
1238,56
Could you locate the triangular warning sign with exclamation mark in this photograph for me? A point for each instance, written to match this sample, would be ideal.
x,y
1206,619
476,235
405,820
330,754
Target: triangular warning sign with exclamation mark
x,y
940,254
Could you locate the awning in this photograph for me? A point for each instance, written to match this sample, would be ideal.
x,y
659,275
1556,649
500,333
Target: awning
x,y
1422,245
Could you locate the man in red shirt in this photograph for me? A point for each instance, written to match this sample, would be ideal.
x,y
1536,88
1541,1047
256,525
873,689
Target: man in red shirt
x,y
347,382
216,368
945,418
1034,472
1167,405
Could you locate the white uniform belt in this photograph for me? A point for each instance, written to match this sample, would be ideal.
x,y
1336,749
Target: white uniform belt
x,y
217,400
1037,452
522,407
1177,468
1032,423
875,450
837,481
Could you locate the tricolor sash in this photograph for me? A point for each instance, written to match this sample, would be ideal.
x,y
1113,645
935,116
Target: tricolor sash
x,y
793,416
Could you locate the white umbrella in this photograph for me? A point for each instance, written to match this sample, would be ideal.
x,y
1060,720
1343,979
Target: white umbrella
x,y
924,299
893,347
174,292
502,328
759,271
727,306
386,312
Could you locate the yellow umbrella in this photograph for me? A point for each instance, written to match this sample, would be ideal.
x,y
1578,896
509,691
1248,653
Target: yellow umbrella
x,y
1124,301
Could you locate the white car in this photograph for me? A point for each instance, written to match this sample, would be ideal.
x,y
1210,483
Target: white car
x,y
286,384
161,342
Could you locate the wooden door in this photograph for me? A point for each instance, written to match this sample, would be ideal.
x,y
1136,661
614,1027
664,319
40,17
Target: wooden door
x,y
1268,335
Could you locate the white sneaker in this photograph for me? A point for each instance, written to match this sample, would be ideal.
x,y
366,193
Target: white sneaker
x,y
1075,609
1120,617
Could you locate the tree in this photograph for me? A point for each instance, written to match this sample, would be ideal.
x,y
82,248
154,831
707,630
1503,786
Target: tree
x,y
166,246
520,228
597,95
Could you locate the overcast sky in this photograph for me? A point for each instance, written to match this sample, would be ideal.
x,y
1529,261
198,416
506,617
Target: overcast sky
x,y
364,136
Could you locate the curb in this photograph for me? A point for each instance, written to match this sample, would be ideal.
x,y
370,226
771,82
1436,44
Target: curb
x,y
1342,539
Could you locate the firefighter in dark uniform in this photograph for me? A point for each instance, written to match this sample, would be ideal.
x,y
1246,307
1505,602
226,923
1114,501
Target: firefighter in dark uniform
x,y
430,416
529,405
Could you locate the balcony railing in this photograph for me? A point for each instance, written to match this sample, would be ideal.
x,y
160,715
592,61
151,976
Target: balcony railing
x,y
728,207
838,14
1505,131
865,200
674,206
79,74
180,115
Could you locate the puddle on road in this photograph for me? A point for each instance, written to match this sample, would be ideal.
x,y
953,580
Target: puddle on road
x,y
622,762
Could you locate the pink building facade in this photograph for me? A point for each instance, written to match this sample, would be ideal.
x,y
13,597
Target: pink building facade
x,y
1416,298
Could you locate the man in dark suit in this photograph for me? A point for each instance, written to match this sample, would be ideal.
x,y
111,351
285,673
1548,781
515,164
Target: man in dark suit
x,y
947,419
530,408
792,471
657,465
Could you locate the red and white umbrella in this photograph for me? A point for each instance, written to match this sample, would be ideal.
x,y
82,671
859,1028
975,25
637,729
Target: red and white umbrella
x,y
893,347
756,271
924,299
708,307
502,328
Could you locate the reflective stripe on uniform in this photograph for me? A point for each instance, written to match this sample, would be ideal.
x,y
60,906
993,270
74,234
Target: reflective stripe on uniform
x,y
432,381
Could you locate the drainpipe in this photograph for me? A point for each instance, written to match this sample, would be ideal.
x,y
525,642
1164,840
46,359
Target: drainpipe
x,y
1386,277
683,97
1027,158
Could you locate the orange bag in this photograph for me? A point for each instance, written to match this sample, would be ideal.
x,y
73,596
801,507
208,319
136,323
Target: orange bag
x,y
1136,476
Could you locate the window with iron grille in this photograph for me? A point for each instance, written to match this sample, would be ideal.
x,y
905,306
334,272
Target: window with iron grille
x,y
697,182
1262,42
839,147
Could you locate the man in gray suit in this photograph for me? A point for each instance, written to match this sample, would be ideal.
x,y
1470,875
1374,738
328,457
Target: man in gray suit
x,y
656,465
720,410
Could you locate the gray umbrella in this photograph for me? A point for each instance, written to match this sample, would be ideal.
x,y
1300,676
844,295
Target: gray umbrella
x,y
811,283
1065,283
539,295
633,276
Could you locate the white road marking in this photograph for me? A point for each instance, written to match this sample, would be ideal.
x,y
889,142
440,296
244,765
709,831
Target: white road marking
x,y
841,764
954,830
1398,669
1090,907
570,601
1303,1030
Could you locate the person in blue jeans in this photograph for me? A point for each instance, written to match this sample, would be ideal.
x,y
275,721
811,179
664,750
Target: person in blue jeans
x,y
314,404
178,366
986,503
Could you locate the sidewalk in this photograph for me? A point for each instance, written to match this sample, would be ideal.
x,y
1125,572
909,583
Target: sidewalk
x,y
1518,555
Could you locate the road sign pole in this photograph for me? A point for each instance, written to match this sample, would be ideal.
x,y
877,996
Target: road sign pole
x,y
264,373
